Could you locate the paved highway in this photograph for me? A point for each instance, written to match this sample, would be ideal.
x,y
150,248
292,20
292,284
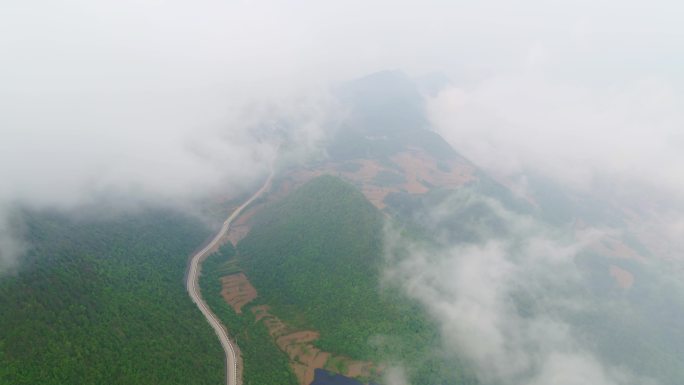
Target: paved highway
x,y
194,291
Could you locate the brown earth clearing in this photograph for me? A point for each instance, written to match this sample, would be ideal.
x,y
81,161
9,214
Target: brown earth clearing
x,y
305,357
616,248
611,246
623,278
237,291
421,169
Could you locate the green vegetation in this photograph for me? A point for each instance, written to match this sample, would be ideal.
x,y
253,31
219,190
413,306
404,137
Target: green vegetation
x,y
102,301
264,363
315,257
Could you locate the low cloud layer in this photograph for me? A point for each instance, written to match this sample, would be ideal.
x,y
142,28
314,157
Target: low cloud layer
x,y
578,135
168,101
502,302
11,242
157,97
153,101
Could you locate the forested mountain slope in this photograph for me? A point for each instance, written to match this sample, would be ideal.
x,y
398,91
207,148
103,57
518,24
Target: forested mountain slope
x,y
102,301
316,257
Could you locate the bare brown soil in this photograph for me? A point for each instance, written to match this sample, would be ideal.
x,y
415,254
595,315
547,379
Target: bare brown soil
x,y
623,278
613,247
237,291
304,356
420,169
369,170
365,178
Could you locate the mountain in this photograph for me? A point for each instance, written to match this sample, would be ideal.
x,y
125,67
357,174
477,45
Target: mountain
x,y
313,249
315,259
326,273
386,116
314,252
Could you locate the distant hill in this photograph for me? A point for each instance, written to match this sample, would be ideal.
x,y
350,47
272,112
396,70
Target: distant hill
x,y
387,115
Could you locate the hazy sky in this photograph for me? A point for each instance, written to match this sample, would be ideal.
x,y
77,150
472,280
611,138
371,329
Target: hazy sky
x,y
160,98
151,95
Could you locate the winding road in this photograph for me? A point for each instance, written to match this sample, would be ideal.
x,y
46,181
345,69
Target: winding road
x,y
193,287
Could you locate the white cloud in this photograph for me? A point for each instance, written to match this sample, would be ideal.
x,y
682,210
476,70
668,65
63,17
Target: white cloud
x,y
164,99
151,95
500,302
11,243
570,133
395,376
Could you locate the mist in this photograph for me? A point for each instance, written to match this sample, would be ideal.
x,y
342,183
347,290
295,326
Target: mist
x,y
172,102
158,97
509,303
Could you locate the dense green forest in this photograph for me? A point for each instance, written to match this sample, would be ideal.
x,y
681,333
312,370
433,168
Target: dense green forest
x,y
264,363
102,301
315,257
